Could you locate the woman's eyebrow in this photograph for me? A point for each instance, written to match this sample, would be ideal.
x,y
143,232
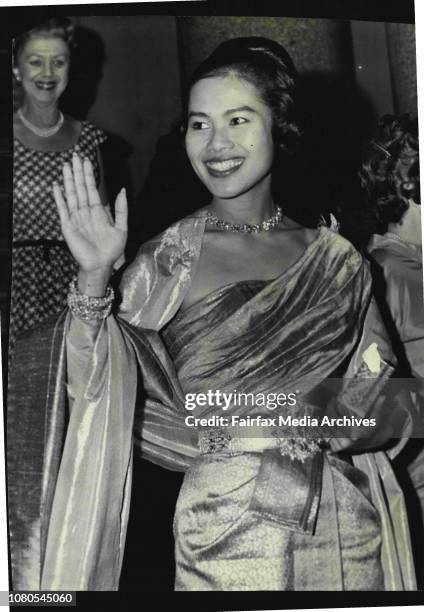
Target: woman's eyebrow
x,y
43,55
229,111
239,109
197,114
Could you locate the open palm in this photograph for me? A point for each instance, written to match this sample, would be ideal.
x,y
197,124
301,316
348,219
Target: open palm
x,y
93,237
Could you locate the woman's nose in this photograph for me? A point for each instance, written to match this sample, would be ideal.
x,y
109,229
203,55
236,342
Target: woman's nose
x,y
220,139
48,69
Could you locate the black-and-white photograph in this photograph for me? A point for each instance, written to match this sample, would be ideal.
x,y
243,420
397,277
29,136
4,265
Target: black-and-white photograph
x,y
211,292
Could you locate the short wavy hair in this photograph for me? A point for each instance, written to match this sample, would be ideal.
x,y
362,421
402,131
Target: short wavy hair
x,y
265,64
389,173
60,27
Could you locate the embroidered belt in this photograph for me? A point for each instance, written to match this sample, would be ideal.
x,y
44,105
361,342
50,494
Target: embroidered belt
x,y
288,484
229,440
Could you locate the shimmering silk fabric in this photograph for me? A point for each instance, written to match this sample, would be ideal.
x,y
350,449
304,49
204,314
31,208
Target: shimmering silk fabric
x,y
222,544
88,514
399,284
155,284
35,434
69,489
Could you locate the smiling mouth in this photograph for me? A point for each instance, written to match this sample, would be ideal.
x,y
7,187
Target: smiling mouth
x,y
220,168
45,85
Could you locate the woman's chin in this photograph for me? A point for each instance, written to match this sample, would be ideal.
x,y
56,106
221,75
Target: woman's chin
x,y
226,192
229,188
44,96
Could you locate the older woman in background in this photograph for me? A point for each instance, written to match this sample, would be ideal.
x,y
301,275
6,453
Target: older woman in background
x,y
44,139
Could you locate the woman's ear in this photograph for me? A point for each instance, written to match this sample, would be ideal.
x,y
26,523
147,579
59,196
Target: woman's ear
x,y
16,74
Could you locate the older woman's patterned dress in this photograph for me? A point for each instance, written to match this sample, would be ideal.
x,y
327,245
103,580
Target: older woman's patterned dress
x,y
42,265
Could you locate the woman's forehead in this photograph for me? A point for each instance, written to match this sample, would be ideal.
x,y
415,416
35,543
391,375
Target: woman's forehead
x,y
45,44
222,92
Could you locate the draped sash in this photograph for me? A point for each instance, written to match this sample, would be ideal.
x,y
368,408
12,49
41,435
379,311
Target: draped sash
x,y
270,336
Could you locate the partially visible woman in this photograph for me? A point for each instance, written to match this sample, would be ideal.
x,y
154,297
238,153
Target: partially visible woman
x,y
44,139
392,220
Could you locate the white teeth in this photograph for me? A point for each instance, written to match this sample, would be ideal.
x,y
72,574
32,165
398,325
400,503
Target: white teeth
x,y
222,166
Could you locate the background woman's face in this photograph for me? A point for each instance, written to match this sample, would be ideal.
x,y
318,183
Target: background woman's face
x,y
228,140
43,67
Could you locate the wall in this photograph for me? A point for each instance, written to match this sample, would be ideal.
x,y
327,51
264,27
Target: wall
x,y
138,93
385,65
314,44
402,53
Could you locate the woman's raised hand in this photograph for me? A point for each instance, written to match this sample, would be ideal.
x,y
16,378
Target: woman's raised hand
x,y
93,237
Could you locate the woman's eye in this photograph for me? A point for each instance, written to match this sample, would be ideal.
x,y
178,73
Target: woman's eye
x,y
238,121
35,63
199,125
59,63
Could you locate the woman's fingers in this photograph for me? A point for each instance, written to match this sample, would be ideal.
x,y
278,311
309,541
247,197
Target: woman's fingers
x,y
121,210
60,203
90,181
109,213
70,191
119,262
79,181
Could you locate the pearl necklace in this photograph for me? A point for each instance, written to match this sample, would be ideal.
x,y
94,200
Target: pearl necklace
x,y
42,132
246,228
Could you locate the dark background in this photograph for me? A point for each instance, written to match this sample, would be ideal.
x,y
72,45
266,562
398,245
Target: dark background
x,y
356,61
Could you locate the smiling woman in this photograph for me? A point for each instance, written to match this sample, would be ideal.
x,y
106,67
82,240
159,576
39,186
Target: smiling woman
x,y
44,138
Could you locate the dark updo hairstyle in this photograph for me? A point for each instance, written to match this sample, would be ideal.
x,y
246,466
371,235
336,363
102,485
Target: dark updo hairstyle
x,y
56,27
266,65
389,173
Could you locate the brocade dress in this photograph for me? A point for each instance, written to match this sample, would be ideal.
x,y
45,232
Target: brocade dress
x,y
42,265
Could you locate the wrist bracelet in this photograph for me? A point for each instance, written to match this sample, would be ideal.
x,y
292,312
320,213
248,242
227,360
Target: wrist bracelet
x,y
89,308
